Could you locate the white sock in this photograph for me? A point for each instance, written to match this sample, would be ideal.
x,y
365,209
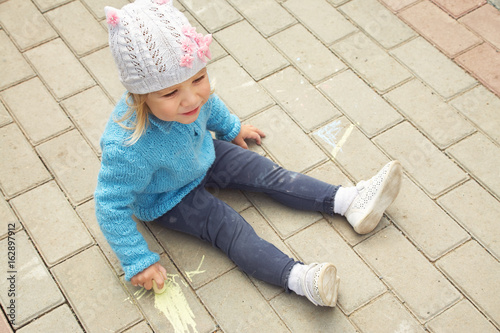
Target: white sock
x,y
296,274
344,198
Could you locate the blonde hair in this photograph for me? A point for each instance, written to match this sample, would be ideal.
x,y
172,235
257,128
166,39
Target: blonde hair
x,y
139,109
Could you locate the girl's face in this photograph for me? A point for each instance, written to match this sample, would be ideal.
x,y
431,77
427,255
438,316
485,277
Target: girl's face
x,y
182,102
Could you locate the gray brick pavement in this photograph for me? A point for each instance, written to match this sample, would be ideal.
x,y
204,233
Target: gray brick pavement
x,y
340,87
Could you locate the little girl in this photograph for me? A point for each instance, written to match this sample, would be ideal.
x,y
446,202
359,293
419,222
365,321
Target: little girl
x,y
158,158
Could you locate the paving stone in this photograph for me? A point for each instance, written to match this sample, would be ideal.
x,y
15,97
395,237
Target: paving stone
x,y
321,243
439,121
36,291
461,318
65,76
433,68
465,204
51,222
486,22
214,15
266,15
279,128
7,218
78,28
98,299
483,62
46,5
103,68
307,53
239,91
192,255
87,214
397,5
23,172
5,117
73,163
371,62
345,143
25,24
459,8
180,7
176,310
215,49
14,68
50,120
232,295
476,273
337,2
481,163
300,99
360,103
431,168
253,52
90,110
97,7
443,31
142,327
322,19
378,22
285,220
412,278
143,228
62,318
331,174
264,230
300,315
385,314
434,237
480,106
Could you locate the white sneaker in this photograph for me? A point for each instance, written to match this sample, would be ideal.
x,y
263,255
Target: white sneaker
x,y
374,196
321,284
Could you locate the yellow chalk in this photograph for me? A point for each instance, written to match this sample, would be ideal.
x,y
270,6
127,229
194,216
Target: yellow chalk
x,y
159,291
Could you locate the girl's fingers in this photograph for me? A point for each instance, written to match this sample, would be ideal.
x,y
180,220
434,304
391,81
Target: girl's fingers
x,y
260,133
241,142
257,137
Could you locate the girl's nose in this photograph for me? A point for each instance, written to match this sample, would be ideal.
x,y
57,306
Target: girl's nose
x,y
189,98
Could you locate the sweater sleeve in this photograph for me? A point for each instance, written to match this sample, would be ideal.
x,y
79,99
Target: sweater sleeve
x,y
225,125
123,174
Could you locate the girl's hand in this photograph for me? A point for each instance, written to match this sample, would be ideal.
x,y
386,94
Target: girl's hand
x,y
145,278
248,132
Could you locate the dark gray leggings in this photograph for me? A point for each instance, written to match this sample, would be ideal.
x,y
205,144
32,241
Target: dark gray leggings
x,y
206,217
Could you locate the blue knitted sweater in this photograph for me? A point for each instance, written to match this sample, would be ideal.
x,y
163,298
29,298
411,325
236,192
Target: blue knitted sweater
x,y
150,177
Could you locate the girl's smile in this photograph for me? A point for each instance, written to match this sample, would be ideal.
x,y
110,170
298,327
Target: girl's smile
x,y
193,112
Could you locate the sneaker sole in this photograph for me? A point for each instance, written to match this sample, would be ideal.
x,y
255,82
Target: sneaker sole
x,y
386,196
329,286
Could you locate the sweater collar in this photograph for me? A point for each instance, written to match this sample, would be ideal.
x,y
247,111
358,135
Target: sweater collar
x,y
165,126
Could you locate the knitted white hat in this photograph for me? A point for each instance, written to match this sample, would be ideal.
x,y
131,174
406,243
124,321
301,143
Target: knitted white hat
x,y
154,46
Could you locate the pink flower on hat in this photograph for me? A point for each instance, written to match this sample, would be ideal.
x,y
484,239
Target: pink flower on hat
x,y
203,52
198,39
204,40
187,61
162,2
112,18
189,31
187,46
